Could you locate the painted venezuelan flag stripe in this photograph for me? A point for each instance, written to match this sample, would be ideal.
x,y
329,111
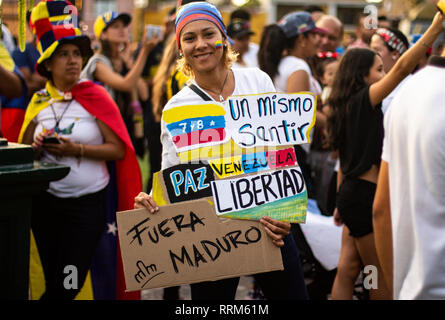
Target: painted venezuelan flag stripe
x,y
199,137
192,111
196,124
281,158
292,209
254,162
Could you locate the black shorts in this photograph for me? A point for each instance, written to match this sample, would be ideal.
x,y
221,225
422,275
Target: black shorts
x,y
354,203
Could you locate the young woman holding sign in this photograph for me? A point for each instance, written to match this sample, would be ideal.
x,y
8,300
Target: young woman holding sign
x,y
356,129
206,57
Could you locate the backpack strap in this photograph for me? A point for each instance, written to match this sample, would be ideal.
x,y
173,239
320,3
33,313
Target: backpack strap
x,y
200,93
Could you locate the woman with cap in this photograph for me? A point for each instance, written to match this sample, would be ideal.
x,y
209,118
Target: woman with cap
x,y
239,31
112,67
111,29
284,48
73,123
207,58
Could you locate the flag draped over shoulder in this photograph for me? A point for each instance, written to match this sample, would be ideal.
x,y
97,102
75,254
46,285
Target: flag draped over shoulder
x,y
107,277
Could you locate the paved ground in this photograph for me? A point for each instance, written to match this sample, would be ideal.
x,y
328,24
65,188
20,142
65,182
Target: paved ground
x,y
156,294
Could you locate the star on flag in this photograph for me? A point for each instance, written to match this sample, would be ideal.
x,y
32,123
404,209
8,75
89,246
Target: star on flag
x,y
112,228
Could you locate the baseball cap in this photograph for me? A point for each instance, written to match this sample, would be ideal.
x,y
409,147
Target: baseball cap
x,y
238,28
296,23
103,21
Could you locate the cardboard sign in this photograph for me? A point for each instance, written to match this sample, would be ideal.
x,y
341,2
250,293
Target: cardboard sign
x,y
279,194
187,243
271,119
250,121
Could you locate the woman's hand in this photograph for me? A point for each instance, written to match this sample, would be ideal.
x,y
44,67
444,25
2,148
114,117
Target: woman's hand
x,y
143,200
337,219
149,44
276,230
438,21
38,142
66,148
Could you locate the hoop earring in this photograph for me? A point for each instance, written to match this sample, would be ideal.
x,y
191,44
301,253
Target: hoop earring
x,y
180,55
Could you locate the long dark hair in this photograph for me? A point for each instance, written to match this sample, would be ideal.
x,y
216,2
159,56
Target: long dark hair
x,y
105,48
272,45
349,79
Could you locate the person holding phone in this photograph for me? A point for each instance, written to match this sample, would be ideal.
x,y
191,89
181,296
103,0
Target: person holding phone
x,y
74,123
206,57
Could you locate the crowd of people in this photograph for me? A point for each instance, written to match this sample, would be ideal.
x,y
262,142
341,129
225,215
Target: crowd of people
x,y
376,161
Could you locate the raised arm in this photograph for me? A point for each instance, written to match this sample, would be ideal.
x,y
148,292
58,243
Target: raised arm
x,y
106,75
407,62
10,85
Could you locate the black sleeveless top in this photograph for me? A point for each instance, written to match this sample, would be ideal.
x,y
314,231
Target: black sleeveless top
x,y
363,139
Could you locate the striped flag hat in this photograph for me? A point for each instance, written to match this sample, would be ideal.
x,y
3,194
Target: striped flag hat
x,y
199,11
55,22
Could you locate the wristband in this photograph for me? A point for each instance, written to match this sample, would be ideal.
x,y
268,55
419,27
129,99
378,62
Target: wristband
x,y
136,106
81,151
424,44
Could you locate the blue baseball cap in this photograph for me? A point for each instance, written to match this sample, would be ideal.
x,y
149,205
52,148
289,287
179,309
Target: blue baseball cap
x,y
296,23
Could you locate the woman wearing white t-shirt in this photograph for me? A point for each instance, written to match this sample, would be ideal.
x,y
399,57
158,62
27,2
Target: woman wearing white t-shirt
x,y
207,59
284,48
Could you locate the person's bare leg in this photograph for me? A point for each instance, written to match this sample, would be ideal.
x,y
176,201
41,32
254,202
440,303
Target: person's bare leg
x,y
368,254
348,268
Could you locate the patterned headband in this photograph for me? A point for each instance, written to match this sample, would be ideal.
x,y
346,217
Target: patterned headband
x,y
198,11
392,40
328,54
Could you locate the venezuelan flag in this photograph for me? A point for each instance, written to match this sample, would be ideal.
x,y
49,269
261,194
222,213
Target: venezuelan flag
x,y
195,125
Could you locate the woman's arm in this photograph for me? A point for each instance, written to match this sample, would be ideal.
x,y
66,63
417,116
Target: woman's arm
x,y
298,81
142,90
10,85
381,220
407,62
337,219
28,138
106,75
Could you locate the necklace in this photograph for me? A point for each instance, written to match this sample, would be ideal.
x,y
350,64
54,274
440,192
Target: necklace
x,y
221,98
58,119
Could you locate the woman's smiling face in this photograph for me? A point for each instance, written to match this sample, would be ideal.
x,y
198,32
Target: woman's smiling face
x,y
198,40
